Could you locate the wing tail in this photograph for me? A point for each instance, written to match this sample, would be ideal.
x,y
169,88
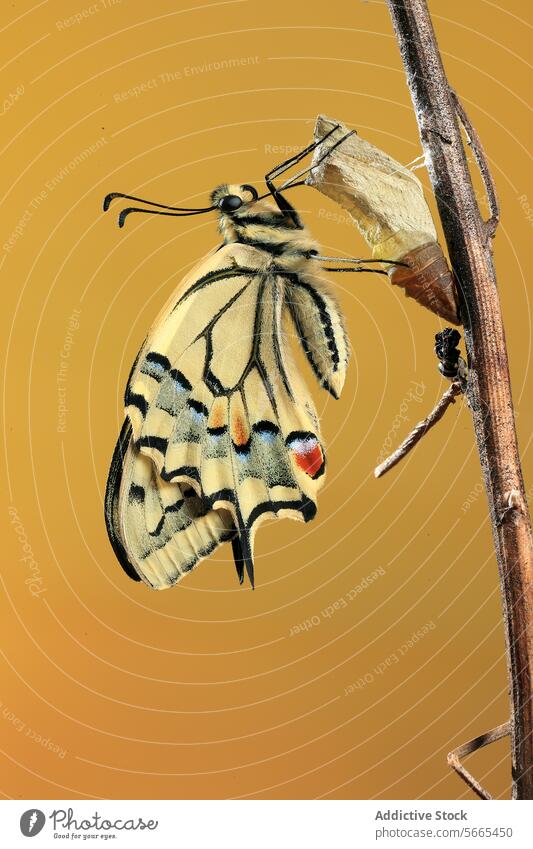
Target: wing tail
x,y
243,556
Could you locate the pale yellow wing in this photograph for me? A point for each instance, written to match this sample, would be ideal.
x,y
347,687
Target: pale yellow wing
x,y
222,432
320,327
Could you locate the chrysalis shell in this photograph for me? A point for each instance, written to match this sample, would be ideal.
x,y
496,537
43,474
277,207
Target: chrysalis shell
x,y
386,201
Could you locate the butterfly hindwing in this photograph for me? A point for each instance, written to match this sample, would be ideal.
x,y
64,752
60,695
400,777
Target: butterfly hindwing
x,y
320,328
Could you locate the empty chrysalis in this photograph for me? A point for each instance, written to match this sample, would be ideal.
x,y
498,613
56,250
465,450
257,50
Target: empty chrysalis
x,y
386,202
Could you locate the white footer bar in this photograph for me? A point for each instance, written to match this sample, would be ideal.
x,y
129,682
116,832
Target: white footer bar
x,y
266,824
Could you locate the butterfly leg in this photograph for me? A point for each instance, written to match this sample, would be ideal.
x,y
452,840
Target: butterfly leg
x,y
360,268
357,261
295,180
288,163
286,208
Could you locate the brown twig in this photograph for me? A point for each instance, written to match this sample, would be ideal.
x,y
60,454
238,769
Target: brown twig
x,y
420,429
489,388
454,757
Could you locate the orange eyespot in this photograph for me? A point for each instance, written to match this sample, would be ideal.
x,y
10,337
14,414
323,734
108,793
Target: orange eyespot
x,y
307,453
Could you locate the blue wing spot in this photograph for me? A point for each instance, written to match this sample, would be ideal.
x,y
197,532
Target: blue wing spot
x,y
266,431
198,410
180,381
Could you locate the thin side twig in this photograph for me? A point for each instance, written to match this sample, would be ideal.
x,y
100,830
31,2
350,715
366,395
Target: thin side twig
x,y
455,756
420,429
477,148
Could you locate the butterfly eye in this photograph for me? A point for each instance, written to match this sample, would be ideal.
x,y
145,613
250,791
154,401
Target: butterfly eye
x,y
229,203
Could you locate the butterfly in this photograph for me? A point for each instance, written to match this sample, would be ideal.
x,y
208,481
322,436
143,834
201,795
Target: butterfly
x,y
220,431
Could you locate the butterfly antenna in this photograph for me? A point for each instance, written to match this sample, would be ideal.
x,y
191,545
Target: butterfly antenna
x,y
173,210
125,212
113,195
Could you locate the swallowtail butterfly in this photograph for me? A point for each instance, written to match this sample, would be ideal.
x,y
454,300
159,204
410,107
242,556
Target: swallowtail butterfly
x,y
220,431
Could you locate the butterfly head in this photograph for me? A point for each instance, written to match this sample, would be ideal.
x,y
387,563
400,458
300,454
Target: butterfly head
x,y
231,198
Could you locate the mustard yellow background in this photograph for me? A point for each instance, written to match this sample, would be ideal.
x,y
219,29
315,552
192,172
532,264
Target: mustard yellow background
x,y
108,689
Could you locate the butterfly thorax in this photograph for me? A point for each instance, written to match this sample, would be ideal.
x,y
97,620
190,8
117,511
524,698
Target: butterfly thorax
x,y
263,226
